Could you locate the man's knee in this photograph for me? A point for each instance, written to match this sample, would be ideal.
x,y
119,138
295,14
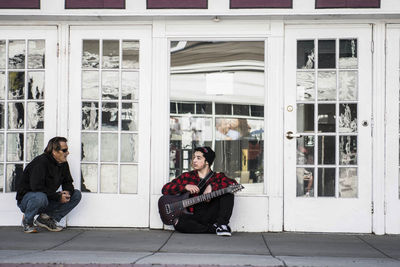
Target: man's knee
x,y
38,200
76,196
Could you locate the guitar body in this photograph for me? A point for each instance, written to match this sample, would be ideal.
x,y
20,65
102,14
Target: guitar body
x,y
170,207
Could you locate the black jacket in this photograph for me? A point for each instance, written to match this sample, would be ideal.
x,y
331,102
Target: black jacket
x,y
45,174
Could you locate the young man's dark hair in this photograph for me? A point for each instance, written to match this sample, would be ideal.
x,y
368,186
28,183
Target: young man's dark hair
x,y
54,144
208,153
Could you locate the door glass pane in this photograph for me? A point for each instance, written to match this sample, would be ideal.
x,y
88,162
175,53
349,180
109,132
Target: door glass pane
x,y
35,113
305,118
348,54
326,118
326,54
109,147
2,84
129,179
36,85
326,182
13,171
111,54
15,147
227,112
129,148
305,182
109,178
16,115
348,118
326,150
90,115
16,54
36,50
348,150
109,116
3,55
348,81
305,150
130,54
348,186
305,54
90,54
89,147
109,85
34,145
130,85
326,85
90,85
89,177
16,85
305,85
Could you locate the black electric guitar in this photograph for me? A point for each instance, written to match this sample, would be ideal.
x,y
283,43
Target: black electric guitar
x,y
172,206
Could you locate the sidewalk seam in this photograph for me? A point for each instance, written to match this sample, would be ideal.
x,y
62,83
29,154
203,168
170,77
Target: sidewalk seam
x,y
65,241
377,249
272,254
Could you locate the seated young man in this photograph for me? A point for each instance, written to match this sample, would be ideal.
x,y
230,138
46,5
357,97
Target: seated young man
x,y
207,217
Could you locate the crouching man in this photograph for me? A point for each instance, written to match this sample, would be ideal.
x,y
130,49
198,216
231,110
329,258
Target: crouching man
x,y
37,189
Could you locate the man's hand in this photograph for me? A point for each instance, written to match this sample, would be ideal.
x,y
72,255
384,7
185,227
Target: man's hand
x,y
65,197
193,189
207,190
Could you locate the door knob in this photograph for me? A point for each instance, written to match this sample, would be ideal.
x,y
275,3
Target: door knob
x,y
290,135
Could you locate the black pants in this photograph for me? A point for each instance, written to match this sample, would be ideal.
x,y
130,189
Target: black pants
x,y
218,210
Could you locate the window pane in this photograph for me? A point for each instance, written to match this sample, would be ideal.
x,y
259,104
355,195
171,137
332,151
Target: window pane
x,y
89,146
348,182
110,85
305,150
2,54
348,54
129,147
326,150
35,114
305,85
2,84
90,85
130,85
326,54
305,54
109,143
130,54
90,54
111,54
16,85
348,85
109,178
305,182
326,118
15,147
34,145
327,85
16,54
305,118
89,175
348,118
36,85
109,114
36,51
14,172
129,179
16,115
326,182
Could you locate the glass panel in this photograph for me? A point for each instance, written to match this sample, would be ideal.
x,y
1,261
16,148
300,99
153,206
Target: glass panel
x,y
348,182
36,85
348,85
1,178
109,147
90,115
129,116
203,108
16,54
35,115
109,113
348,54
327,85
36,52
109,85
15,147
184,108
129,179
2,84
14,172
305,54
305,118
34,145
348,118
326,118
130,85
130,54
305,150
326,182
89,147
89,177
348,150
16,115
129,148
90,85
111,54
172,107
109,178
326,150
2,57
257,111
326,54
305,85
241,110
186,128
2,117
16,85
1,147
223,109
305,182
90,54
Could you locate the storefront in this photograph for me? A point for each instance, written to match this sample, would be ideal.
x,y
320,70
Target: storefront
x,y
300,107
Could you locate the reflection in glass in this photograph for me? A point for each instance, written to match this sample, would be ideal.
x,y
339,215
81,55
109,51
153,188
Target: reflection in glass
x,y
348,85
89,147
15,146
2,116
186,108
90,114
326,118
34,145
2,84
14,172
16,85
16,54
111,54
305,182
348,118
15,115
36,85
223,109
327,85
203,108
305,118
129,116
109,178
35,114
90,54
1,147
130,85
36,52
109,145
89,177
326,54
241,110
129,148
130,54
90,85
305,54
185,129
129,179
2,55
109,85
305,85
109,113
326,182
348,182
348,150
1,178
348,54
326,150
305,150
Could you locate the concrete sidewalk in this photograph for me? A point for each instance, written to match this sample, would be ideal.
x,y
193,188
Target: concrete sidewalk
x,y
135,247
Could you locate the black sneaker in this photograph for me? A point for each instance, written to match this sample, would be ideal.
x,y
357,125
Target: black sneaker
x,y
45,221
28,228
223,230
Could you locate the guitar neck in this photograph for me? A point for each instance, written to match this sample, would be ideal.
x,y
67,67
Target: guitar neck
x,y
194,200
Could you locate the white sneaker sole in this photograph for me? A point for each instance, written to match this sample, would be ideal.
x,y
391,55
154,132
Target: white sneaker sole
x,y
58,229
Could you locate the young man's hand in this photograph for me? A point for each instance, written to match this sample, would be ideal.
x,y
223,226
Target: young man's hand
x,y
193,189
65,197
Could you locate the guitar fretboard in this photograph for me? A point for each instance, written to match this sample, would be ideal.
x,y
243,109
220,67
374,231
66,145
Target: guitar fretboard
x,y
194,200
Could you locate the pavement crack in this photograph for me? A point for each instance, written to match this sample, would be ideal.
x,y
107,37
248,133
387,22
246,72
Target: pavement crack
x,y
272,254
377,249
65,241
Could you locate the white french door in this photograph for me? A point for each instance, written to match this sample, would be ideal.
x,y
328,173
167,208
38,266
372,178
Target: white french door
x,y
392,188
110,124
327,145
28,93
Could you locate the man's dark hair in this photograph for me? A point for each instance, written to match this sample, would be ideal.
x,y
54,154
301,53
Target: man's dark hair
x,y
208,153
54,144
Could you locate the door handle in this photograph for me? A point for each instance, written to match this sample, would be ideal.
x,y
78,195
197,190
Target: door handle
x,y
290,135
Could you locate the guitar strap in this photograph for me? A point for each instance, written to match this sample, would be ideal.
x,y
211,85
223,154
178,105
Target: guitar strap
x,y
205,180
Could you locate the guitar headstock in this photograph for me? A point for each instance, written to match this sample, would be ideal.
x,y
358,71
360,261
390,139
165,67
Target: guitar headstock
x,y
235,188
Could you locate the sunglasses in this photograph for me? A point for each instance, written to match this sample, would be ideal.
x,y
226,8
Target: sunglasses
x,y
65,150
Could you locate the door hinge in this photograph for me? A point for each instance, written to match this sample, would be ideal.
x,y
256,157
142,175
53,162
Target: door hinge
x,y
372,46
372,207
58,49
